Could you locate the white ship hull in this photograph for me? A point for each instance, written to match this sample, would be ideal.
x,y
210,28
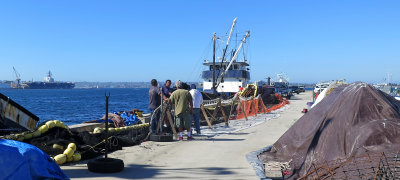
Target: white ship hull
x,y
228,86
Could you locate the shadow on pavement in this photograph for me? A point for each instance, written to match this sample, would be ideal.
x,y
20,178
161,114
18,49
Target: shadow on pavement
x,y
141,171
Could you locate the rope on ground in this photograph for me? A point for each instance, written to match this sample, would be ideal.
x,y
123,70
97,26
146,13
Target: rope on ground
x,y
103,141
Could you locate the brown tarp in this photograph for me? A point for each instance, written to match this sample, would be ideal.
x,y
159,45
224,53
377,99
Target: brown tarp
x,y
352,120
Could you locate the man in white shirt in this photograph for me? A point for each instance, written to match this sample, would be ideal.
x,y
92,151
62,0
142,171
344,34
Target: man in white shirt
x,y
197,101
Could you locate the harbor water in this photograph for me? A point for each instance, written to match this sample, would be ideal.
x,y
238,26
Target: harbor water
x,y
73,106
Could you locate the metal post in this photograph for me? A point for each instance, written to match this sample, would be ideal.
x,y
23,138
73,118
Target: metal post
x,y
106,140
160,121
214,69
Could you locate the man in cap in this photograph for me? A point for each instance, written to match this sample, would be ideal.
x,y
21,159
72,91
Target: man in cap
x,y
182,101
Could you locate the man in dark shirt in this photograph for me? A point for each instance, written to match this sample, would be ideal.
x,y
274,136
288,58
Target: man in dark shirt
x,y
154,102
166,88
166,91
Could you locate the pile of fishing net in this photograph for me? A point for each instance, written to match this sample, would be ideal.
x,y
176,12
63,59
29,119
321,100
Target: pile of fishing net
x,y
58,141
269,97
353,120
249,91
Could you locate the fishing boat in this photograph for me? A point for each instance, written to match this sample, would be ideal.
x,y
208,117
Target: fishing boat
x,y
225,75
14,117
321,86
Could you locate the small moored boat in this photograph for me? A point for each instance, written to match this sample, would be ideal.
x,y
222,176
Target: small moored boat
x,y
14,117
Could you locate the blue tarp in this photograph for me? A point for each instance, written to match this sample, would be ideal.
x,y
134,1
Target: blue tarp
x,y
24,161
130,119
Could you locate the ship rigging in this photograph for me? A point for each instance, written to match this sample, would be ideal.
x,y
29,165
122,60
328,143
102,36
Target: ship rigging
x,y
226,76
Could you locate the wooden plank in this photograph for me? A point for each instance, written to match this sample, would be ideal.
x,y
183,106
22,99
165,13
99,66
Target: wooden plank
x,y
214,113
262,104
232,105
223,112
171,123
264,107
206,117
254,106
243,110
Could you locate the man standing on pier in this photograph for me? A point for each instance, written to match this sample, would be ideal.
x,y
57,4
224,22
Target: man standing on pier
x,y
166,91
197,101
154,102
166,88
183,104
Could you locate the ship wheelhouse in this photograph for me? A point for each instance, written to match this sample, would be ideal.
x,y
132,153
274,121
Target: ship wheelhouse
x,y
236,76
228,75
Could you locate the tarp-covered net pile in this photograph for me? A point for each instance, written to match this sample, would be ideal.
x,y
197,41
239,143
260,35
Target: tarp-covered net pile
x,y
56,139
353,133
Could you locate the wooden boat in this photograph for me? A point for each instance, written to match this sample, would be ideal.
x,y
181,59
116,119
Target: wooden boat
x,y
14,117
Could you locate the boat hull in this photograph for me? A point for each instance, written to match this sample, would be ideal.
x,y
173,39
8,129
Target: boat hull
x,y
14,117
51,85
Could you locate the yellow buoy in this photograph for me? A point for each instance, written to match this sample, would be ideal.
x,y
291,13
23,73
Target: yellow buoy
x,y
69,152
28,136
58,123
60,159
20,138
97,130
72,145
111,130
77,157
36,133
57,146
70,159
44,128
63,125
51,124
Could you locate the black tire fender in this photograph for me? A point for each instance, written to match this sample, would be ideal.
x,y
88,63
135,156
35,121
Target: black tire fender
x,y
102,165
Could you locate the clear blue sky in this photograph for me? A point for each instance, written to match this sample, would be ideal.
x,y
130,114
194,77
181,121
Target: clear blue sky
x,y
97,40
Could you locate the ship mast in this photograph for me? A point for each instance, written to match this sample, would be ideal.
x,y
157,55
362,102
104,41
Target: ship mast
x,y
233,58
229,37
227,43
214,88
213,85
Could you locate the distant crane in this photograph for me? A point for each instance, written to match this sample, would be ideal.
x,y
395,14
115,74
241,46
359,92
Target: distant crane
x,y
18,79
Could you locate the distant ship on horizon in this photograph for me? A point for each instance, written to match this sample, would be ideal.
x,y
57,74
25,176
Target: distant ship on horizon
x,y
48,83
